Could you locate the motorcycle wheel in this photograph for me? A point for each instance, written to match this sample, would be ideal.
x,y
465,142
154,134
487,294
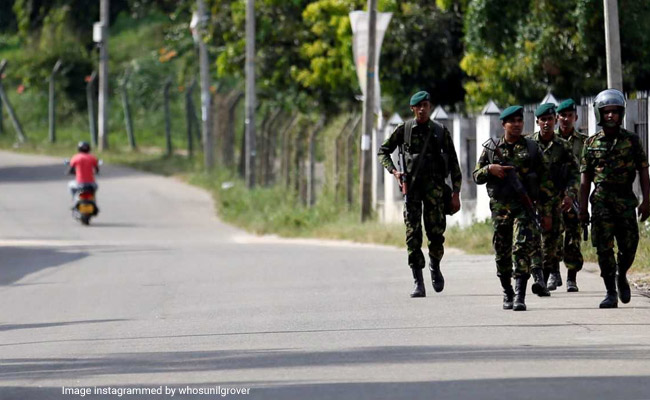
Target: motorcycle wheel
x,y
85,219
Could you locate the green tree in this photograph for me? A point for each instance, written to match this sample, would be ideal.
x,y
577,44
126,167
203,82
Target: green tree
x,y
305,50
517,54
279,33
421,51
330,73
7,17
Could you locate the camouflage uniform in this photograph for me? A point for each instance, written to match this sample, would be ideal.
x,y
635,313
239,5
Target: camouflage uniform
x,y
508,213
569,250
563,172
426,192
614,161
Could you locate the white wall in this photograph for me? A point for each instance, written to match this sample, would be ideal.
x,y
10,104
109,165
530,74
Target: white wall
x,y
392,204
487,126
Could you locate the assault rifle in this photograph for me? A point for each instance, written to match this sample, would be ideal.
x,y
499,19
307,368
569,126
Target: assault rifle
x,y
513,180
585,225
403,180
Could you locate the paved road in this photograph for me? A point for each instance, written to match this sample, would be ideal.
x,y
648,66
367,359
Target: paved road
x,y
157,294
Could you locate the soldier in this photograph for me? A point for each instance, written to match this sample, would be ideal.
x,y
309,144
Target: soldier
x,y
513,169
563,171
429,156
570,251
611,159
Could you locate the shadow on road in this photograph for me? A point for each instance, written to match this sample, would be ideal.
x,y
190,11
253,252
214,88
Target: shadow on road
x,y
554,388
54,172
35,173
11,327
17,262
114,225
215,361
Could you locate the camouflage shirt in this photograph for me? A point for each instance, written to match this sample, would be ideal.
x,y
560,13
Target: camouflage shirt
x,y
576,140
516,155
561,164
613,161
418,139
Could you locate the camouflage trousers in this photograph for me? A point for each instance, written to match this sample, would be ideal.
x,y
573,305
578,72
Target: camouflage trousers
x,y
548,245
513,238
611,222
569,250
425,203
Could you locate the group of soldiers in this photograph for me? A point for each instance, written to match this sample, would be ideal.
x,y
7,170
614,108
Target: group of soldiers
x,y
539,187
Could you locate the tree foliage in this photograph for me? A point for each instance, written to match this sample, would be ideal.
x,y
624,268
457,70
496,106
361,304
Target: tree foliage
x,y
462,51
422,51
305,50
519,53
279,34
7,17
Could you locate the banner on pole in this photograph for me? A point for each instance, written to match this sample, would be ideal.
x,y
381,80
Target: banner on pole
x,y
359,22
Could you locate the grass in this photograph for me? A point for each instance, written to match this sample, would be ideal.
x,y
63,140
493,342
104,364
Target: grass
x,y
474,239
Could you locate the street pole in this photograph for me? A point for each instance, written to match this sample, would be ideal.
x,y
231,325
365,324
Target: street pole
x,y
206,98
250,94
613,45
102,104
51,103
368,116
90,95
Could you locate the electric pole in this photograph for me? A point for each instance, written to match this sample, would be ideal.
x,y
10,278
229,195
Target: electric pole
x,y
206,98
250,94
102,103
368,115
613,45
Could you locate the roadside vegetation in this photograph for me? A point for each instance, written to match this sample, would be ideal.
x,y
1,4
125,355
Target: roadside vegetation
x,y
151,42
278,211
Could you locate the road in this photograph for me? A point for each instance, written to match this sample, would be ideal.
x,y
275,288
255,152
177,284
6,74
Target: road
x,y
158,294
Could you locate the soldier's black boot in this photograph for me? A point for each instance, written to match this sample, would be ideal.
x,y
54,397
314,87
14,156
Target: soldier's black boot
x,y
539,286
572,281
520,294
555,279
610,300
508,293
418,290
436,276
624,292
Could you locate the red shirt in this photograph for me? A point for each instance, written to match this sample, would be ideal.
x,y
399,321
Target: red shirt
x,y
84,165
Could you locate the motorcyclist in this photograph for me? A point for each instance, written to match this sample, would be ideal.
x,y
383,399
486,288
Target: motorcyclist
x,y
84,166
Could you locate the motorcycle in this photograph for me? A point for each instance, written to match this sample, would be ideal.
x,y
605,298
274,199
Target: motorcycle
x,y
84,202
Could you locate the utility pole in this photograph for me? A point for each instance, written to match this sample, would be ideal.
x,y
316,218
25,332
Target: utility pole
x,y
250,94
51,103
206,98
613,45
368,115
103,77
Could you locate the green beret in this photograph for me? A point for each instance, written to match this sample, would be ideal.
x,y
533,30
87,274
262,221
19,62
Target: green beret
x,y
510,111
543,109
418,97
567,105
